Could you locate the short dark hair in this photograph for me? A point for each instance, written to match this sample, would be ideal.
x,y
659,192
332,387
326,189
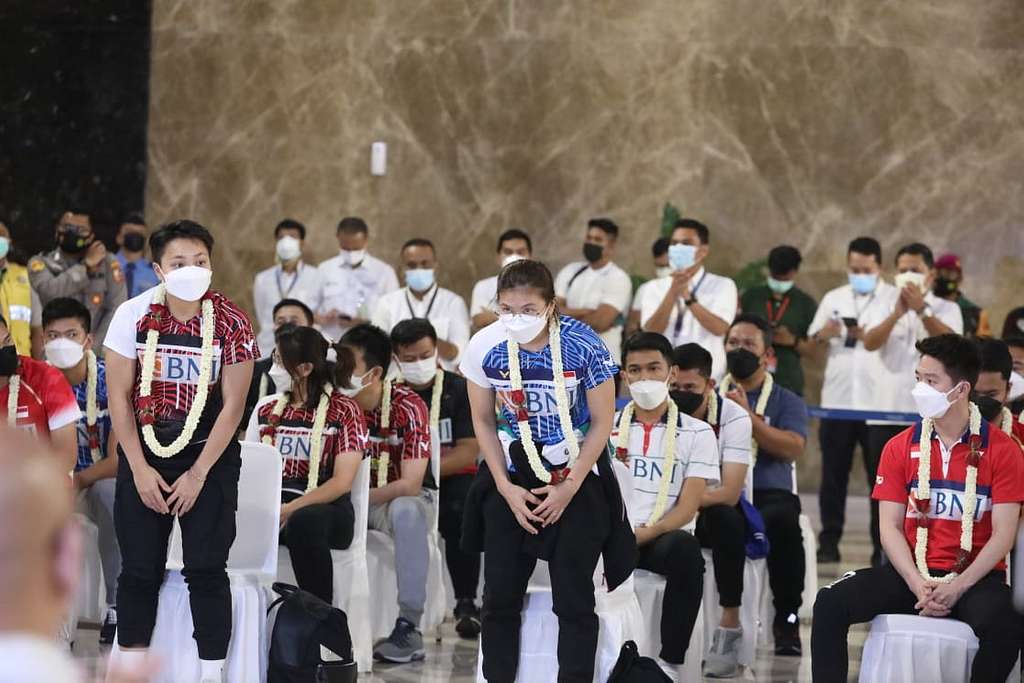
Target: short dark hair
x,y
178,230
917,249
693,356
995,357
410,331
605,225
703,234
297,345
1014,341
372,341
784,259
66,307
958,354
1011,326
757,321
290,224
306,310
648,341
660,247
527,273
353,225
514,234
418,242
135,218
868,246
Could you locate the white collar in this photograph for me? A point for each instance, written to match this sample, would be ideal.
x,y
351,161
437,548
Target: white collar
x,y
602,268
426,295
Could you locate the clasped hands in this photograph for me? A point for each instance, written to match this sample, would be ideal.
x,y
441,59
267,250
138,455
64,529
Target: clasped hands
x,y
550,502
937,599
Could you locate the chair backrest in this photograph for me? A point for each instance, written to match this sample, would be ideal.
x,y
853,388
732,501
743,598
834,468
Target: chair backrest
x,y
361,504
258,517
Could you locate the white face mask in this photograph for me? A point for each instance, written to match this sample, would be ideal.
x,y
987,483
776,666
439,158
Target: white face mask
x,y
189,283
282,378
1016,386
931,403
648,393
63,353
354,257
289,248
910,278
358,384
522,328
511,258
421,371
662,271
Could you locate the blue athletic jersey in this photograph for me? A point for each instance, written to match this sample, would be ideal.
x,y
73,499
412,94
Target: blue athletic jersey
x,y
102,417
586,364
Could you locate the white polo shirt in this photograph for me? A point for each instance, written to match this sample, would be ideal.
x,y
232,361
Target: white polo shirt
x,y
485,294
696,456
353,290
735,432
853,375
445,309
715,293
591,288
898,356
638,296
273,285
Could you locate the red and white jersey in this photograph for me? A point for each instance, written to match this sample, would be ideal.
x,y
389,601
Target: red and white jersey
x,y
46,401
1000,480
409,437
179,352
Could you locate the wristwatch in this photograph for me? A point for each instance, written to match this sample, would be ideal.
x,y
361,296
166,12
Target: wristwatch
x,y
689,302
926,311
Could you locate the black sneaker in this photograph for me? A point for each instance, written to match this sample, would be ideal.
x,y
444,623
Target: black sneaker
x,y
109,628
828,554
787,639
467,619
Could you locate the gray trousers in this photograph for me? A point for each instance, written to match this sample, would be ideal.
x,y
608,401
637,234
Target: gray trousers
x,y
407,520
99,507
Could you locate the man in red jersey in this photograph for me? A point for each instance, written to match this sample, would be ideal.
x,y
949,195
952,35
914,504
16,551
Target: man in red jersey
x,y
950,443
992,391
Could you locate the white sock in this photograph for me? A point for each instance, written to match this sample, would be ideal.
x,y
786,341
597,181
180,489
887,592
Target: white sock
x,y
211,670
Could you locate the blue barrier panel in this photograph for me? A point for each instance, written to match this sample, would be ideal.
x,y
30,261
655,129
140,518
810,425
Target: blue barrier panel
x,y
836,413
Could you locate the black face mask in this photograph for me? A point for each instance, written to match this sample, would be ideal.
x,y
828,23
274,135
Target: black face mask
x,y
742,363
72,241
687,401
134,241
592,252
988,406
8,360
944,286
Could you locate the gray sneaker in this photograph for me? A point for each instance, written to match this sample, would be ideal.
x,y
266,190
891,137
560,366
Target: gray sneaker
x,y
723,660
405,644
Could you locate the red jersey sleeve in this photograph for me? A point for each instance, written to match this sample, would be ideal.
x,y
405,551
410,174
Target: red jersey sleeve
x,y
1007,468
891,481
352,433
58,398
239,340
413,424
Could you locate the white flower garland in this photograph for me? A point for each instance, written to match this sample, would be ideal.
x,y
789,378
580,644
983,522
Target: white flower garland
x,y
13,387
202,388
384,458
90,406
668,450
759,408
923,495
435,401
711,417
315,438
561,400
1006,421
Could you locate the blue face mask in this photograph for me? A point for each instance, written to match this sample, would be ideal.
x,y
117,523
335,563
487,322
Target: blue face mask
x,y
779,286
681,256
5,246
863,283
419,279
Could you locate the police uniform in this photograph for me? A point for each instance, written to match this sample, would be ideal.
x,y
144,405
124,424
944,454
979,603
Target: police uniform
x,y
54,275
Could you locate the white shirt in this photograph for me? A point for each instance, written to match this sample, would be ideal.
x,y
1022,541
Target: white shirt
x,y
25,657
272,285
445,309
715,293
898,356
735,432
593,288
485,292
852,375
353,291
696,456
641,292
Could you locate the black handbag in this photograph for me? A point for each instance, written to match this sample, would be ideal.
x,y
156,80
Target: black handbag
x,y
632,668
303,629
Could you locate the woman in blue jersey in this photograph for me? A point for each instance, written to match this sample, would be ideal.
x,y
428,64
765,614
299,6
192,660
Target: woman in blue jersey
x,y
548,491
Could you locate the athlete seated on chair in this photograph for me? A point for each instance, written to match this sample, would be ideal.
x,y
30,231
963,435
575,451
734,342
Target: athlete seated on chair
x,y
400,503
779,425
322,439
992,390
415,344
721,523
672,458
970,465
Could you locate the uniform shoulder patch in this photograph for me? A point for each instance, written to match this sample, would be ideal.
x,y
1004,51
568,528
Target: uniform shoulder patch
x,y
36,265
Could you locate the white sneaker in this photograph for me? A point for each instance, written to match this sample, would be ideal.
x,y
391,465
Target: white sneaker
x,y
723,659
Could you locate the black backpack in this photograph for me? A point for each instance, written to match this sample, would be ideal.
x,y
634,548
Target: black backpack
x,y
632,668
302,628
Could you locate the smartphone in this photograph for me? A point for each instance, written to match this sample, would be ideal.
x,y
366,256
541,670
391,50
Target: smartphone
x,y
850,341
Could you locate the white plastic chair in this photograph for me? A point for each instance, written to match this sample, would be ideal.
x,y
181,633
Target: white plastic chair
x,y
351,577
903,647
650,592
767,608
755,578
252,566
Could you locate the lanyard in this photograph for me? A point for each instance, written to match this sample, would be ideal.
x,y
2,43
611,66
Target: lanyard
x,y
295,278
430,306
775,314
859,311
679,309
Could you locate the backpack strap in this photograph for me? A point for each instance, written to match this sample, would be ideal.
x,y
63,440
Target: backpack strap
x,y
573,279
285,590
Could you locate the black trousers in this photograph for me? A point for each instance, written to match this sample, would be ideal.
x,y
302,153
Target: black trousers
x,y
310,534
838,440
463,567
878,436
723,529
781,512
860,596
207,532
581,533
676,556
